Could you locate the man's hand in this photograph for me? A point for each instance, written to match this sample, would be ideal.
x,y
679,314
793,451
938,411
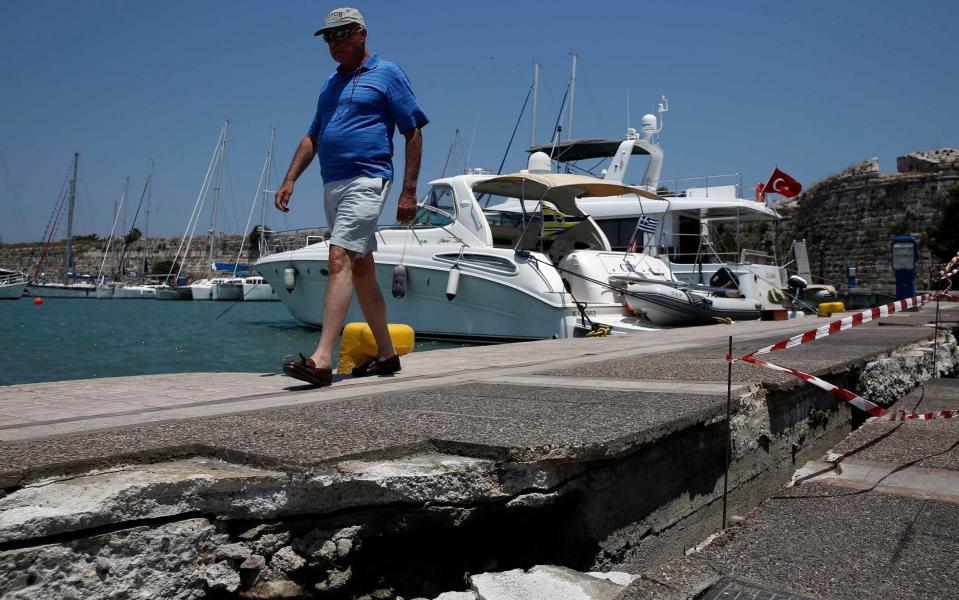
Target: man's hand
x,y
406,208
283,195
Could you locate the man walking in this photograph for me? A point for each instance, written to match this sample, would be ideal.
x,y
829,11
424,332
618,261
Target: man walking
x,y
359,107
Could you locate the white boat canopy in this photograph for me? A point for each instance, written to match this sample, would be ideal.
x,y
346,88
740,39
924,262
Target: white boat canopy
x,y
561,189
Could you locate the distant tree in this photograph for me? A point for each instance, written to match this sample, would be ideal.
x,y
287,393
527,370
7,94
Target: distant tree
x,y
86,238
942,237
163,267
133,236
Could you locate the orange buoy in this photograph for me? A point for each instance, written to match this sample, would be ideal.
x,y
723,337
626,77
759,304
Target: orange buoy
x,y
38,300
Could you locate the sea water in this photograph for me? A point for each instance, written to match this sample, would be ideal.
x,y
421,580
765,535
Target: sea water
x,y
86,338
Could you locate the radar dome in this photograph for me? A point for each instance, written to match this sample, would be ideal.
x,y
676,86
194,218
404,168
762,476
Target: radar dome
x,y
539,162
649,121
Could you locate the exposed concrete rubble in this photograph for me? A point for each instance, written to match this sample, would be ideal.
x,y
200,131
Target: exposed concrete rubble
x,y
543,583
174,560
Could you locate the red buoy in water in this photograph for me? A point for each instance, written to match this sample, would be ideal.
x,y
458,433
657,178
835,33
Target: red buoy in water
x,y
38,300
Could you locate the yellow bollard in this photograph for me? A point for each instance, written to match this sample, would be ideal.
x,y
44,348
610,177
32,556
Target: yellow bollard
x,y
827,308
358,345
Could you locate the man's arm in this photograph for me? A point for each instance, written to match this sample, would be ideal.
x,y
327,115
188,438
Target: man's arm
x,y
301,160
406,209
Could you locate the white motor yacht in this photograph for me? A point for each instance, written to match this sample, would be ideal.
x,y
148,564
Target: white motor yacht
x,y
12,284
682,232
488,275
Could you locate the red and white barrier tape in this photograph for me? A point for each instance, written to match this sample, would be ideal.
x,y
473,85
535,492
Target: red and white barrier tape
x,y
847,323
856,400
843,324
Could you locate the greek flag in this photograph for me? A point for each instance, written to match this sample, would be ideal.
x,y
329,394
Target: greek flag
x,y
647,224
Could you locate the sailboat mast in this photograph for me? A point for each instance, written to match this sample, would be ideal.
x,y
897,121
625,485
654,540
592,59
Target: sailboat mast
x,y
264,191
73,199
116,217
572,95
216,193
532,133
146,226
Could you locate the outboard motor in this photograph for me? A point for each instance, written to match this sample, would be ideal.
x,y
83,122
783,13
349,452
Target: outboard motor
x,y
797,285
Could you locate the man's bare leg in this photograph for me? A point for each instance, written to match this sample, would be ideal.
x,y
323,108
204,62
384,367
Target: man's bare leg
x,y
371,303
339,291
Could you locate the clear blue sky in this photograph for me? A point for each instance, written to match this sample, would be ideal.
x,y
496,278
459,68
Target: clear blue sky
x,y
810,86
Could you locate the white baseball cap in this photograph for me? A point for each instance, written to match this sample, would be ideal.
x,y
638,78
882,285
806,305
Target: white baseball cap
x,y
340,17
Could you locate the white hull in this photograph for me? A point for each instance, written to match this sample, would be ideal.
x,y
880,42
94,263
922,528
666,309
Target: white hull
x,y
482,310
201,291
670,306
171,293
259,292
12,291
231,291
531,304
134,292
57,290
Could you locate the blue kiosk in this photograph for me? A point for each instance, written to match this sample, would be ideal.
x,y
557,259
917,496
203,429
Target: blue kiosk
x,y
905,262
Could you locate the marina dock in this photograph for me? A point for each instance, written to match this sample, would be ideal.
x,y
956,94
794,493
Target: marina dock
x,y
597,454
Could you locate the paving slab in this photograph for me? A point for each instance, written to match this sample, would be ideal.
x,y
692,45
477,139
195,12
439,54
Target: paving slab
x,y
825,356
824,542
929,444
509,422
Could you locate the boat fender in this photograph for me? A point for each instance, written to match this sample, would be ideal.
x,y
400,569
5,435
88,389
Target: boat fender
x,y
289,278
453,283
358,344
399,281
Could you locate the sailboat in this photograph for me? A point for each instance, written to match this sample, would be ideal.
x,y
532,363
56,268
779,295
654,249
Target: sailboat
x,y
253,287
176,286
39,286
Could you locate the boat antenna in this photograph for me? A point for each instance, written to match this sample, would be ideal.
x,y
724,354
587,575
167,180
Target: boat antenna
x,y
532,133
557,128
479,111
627,110
453,145
515,128
572,95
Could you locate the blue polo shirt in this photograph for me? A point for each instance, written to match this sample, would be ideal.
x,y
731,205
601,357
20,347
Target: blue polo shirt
x,y
356,116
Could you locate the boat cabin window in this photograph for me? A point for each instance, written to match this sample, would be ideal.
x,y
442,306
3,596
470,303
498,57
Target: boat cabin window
x,y
438,208
496,263
619,232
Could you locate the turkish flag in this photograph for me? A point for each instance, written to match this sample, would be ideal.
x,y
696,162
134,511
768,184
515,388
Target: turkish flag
x,y
780,183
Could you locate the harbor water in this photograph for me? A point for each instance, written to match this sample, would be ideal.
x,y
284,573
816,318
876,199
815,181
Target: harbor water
x,y
65,339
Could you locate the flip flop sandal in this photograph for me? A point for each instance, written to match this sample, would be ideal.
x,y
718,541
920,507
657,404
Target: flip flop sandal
x,y
303,371
377,367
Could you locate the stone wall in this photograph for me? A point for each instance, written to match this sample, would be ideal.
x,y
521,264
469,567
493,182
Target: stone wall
x,y
88,255
848,218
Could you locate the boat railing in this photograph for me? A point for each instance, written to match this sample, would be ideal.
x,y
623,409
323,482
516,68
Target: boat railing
x,y
700,186
292,239
757,257
12,278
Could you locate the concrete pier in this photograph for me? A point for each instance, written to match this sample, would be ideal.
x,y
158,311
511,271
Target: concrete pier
x,y
599,454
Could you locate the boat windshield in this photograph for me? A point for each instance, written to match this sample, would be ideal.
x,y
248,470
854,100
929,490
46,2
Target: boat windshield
x,y
437,209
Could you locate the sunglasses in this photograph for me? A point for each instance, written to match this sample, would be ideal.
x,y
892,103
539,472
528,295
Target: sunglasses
x,y
338,34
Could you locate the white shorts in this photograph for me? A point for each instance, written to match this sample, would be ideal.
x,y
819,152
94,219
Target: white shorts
x,y
353,207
